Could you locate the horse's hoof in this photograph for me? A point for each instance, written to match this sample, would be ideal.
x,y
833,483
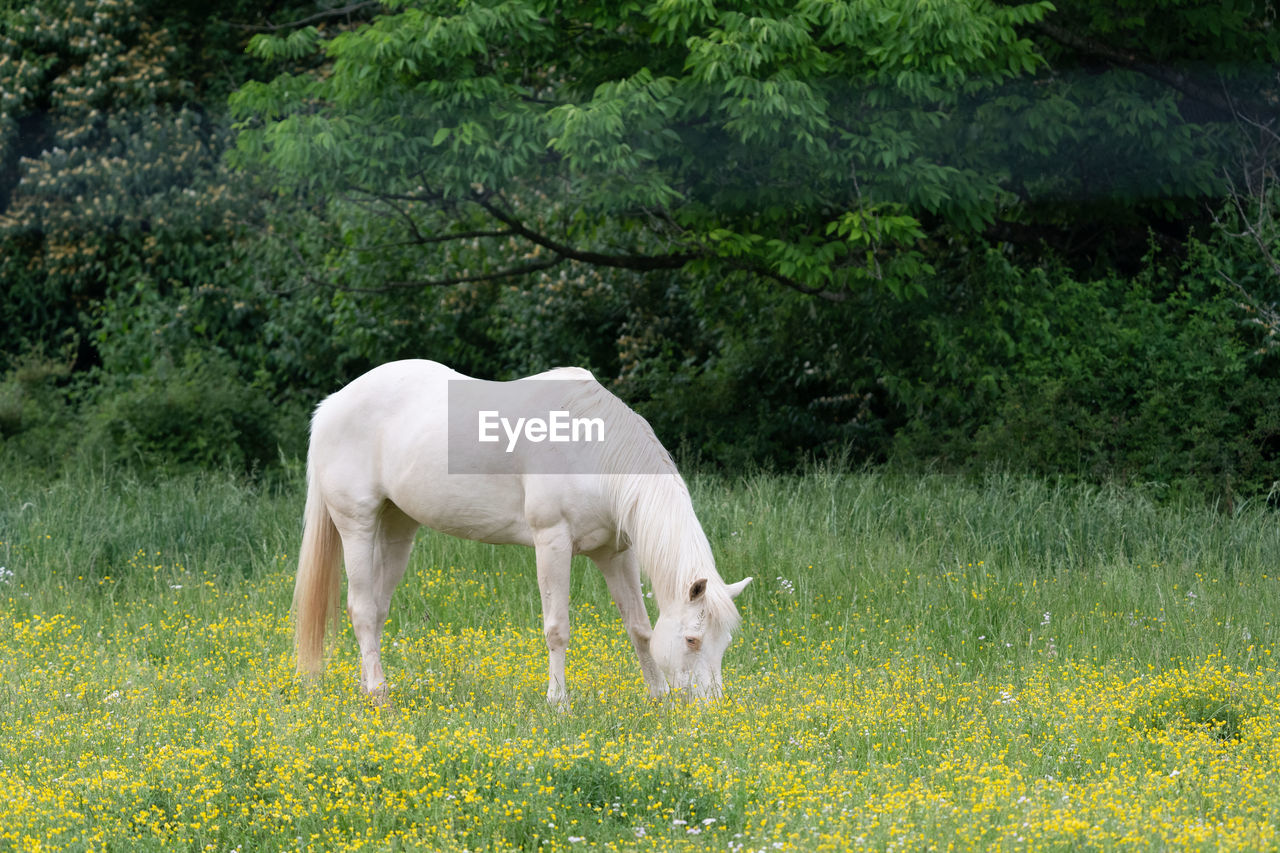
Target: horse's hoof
x,y
380,696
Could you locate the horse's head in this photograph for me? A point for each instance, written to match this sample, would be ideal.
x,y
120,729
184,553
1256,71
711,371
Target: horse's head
x,y
690,637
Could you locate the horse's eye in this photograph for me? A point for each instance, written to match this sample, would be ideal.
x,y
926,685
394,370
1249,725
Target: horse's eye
x,y
693,643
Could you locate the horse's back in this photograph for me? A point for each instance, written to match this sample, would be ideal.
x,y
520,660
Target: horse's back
x,y
385,437
387,388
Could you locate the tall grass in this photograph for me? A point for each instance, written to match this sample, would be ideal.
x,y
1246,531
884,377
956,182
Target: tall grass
x,y
98,530
973,568
923,660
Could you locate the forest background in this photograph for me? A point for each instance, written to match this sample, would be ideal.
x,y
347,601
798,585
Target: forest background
x,y
954,233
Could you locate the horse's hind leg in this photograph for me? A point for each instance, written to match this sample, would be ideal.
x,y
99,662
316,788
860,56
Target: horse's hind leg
x,y
376,554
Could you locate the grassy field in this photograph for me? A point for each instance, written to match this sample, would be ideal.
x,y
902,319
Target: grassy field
x,y
924,663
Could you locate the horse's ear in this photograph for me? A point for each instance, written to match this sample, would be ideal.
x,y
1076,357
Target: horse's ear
x,y
698,589
735,589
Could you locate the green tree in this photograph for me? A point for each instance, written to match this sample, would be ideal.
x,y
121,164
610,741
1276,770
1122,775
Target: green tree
x,y
77,81
1140,123
112,132
795,141
820,144
123,235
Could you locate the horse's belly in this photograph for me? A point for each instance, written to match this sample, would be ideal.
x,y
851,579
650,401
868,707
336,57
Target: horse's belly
x,y
470,507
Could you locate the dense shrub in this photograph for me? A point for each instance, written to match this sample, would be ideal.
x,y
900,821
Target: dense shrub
x,y
38,415
1159,378
196,414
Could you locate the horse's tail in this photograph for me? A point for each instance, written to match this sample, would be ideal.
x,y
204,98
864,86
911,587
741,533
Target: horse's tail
x,y
315,592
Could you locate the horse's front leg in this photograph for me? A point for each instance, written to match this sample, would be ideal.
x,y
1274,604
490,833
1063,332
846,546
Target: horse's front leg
x,y
554,553
622,574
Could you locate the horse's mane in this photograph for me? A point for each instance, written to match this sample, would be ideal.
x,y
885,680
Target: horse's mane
x,y
651,504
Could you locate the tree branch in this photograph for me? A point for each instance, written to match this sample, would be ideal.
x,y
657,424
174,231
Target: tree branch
x,y
418,238
1259,174
787,281
561,252
673,260
642,263
310,280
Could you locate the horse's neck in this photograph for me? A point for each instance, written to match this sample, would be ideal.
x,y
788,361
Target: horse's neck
x,y
665,533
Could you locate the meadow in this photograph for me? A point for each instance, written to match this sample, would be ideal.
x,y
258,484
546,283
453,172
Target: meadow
x,y
925,663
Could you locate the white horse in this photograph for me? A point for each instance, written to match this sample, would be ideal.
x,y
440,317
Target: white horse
x,y
388,456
